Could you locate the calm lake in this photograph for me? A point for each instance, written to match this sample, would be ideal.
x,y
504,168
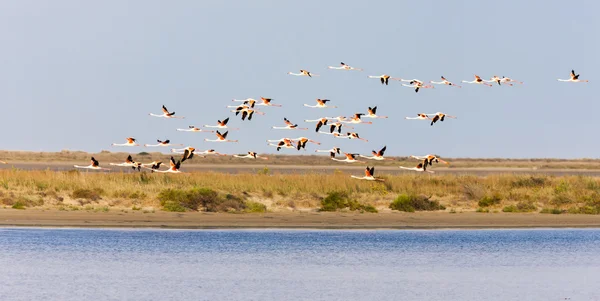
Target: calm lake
x,y
107,264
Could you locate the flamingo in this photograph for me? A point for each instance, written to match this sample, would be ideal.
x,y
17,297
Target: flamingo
x,y
355,136
220,138
188,154
246,112
321,103
302,142
128,163
336,126
477,80
221,125
267,102
345,67
161,143
439,116
445,82
192,128
3,162
284,143
210,152
430,159
250,155
334,134
245,101
166,114
182,150
356,119
574,78
369,175
420,116
289,126
303,73
332,152
417,84
384,78
93,165
509,80
371,113
174,167
420,167
350,158
377,155
153,165
130,142
320,122
496,79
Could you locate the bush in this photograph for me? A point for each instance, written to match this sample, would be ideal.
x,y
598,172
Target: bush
x,y
488,201
552,211
18,205
482,210
412,203
560,200
510,208
340,200
87,194
529,182
254,207
520,207
473,191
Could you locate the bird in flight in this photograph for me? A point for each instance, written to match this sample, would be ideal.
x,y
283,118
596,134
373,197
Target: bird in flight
x,y
166,114
445,82
574,78
93,165
344,67
477,80
369,175
303,73
130,142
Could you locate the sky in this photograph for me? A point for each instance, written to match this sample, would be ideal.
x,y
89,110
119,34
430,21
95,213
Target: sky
x,y
80,75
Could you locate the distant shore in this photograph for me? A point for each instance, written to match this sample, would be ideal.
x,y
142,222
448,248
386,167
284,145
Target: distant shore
x,y
292,220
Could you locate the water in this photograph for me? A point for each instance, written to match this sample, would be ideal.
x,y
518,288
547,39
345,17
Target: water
x,y
98,264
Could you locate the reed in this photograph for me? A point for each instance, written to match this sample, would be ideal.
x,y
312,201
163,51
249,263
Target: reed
x,y
142,191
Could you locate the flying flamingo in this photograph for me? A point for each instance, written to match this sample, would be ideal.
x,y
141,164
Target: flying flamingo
x,y
477,80
509,80
440,116
161,143
377,155
356,119
421,167
303,73
246,112
188,154
267,102
321,103
371,113
128,163
384,78
417,84
320,122
355,136
369,175
350,158
174,167
130,142
574,78
245,101
153,165
221,125
210,152
182,150
337,127
420,116
220,138
93,165
166,114
496,79
345,67
192,128
332,152
289,126
284,143
430,159
302,142
250,155
445,82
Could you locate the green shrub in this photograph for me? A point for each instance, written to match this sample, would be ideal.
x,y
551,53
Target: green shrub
x,y
340,200
369,208
488,201
87,194
18,205
562,187
412,203
482,210
510,208
584,210
254,207
552,211
560,200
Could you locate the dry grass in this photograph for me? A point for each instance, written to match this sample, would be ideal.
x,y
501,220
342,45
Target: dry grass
x,y
308,158
82,190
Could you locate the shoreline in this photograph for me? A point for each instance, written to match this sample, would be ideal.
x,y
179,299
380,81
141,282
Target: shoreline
x,y
292,220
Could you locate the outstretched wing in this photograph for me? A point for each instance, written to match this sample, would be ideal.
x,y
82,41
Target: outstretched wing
x,y
164,109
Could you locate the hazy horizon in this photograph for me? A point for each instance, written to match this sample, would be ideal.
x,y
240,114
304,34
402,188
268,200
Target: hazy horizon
x,y
80,76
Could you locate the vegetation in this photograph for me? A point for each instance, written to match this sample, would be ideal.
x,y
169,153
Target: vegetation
x,y
412,203
264,192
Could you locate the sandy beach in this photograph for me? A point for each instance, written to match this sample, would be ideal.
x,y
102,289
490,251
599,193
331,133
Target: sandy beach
x,y
323,220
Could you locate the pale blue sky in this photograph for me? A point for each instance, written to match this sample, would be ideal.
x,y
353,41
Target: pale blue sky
x,y
80,75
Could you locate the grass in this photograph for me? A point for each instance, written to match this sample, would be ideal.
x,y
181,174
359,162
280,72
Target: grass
x,y
246,192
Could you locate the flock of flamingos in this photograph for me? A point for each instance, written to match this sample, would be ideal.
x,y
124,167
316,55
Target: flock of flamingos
x,y
326,125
